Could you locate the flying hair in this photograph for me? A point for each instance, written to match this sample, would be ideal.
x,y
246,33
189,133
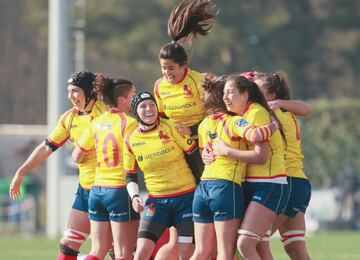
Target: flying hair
x,y
190,18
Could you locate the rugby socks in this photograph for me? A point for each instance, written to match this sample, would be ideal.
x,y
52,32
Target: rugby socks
x,y
91,257
62,256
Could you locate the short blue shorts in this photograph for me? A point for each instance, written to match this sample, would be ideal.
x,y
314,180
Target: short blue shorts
x,y
299,196
169,211
273,196
81,199
218,200
110,204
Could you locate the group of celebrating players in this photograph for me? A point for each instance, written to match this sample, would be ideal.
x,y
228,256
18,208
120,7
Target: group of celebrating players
x,y
220,155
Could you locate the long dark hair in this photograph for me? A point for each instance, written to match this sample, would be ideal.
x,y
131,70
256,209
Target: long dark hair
x,y
187,19
255,95
214,92
275,83
109,90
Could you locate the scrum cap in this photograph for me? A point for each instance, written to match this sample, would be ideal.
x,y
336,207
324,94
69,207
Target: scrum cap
x,y
83,80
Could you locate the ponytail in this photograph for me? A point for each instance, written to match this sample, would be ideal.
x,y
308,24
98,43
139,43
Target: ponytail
x,y
187,19
109,90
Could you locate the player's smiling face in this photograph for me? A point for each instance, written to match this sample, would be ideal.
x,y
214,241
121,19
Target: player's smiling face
x,y
147,111
77,97
172,71
234,100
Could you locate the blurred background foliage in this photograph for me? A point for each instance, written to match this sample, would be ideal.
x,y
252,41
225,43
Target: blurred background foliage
x,y
316,42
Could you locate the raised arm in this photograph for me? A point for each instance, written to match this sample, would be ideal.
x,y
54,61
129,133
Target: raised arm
x,y
298,107
37,157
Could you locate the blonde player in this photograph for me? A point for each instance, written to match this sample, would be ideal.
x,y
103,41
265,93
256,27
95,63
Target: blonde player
x,y
71,126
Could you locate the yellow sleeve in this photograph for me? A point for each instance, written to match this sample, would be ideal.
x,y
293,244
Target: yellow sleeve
x,y
129,159
187,144
241,127
202,134
60,135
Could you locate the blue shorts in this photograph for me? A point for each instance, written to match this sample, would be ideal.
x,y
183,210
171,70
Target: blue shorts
x,y
273,196
81,199
299,196
169,211
218,200
110,204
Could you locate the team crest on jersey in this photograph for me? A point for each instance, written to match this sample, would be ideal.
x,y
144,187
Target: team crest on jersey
x,y
212,135
150,211
164,137
140,158
242,122
187,91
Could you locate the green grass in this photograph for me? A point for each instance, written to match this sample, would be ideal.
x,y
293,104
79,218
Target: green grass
x,y
327,245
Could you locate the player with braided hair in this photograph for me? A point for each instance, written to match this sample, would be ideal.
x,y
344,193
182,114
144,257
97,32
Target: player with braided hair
x,y
70,126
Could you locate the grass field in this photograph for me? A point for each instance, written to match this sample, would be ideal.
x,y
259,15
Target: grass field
x,y
334,245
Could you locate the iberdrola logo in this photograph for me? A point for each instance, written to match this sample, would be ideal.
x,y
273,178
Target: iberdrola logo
x,y
187,91
164,137
150,211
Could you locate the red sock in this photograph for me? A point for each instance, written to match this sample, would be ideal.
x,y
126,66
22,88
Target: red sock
x,y
91,257
120,258
61,256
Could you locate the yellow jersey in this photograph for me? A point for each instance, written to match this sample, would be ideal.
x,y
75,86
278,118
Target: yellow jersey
x,y
273,170
181,101
106,135
159,153
293,155
71,126
233,131
225,128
